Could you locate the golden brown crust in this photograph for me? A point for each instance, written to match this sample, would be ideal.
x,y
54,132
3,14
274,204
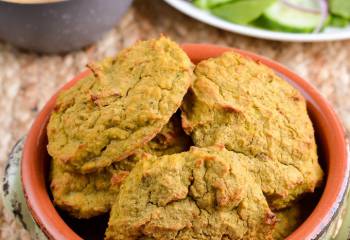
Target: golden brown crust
x,y
199,194
92,194
106,116
246,107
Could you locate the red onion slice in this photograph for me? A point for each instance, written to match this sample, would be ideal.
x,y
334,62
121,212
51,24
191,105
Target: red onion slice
x,y
324,15
323,10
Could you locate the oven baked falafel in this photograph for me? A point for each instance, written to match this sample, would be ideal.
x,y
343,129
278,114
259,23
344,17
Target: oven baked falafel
x,y
127,100
287,220
204,193
243,105
92,194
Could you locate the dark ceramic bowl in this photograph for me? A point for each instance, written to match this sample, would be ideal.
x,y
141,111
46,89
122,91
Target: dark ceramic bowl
x,y
58,26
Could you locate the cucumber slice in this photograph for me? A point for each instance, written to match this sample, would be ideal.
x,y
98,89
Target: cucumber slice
x,y
206,4
340,8
242,11
337,21
281,17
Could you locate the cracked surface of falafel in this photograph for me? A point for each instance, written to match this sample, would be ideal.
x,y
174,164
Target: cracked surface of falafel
x,y
127,100
88,195
171,139
244,106
201,194
92,194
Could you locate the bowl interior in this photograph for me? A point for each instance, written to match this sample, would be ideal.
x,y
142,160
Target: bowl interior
x,y
328,131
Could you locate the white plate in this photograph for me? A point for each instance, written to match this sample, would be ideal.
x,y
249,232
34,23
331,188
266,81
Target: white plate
x,y
330,34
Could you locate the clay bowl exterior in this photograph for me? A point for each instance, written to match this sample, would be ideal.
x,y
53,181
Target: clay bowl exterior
x,y
58,25
328,130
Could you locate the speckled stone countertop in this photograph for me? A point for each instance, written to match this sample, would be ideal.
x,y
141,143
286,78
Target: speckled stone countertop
x,y
27,80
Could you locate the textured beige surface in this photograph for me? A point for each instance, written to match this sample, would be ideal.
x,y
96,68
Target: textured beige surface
x,y
27,80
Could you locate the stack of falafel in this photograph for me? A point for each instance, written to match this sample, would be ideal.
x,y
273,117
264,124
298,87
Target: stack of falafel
x,y
221,150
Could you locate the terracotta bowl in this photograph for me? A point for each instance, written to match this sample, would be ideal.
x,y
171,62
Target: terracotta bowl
x,y
328,130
